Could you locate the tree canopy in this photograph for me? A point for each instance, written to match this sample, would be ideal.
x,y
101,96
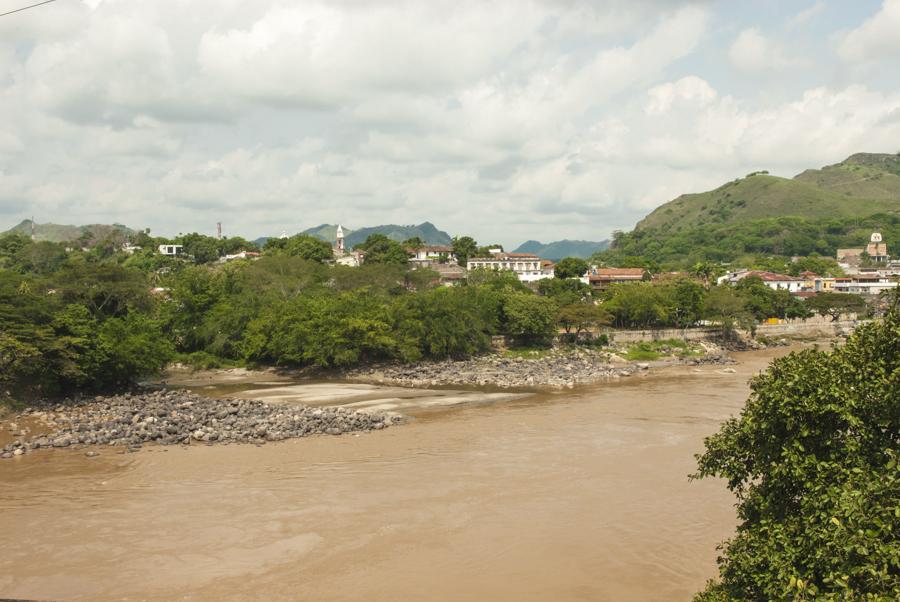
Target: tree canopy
x,y
813,462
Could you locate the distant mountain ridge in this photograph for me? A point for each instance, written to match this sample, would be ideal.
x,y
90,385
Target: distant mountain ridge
x,y
859,186
426,231
559,249
64,232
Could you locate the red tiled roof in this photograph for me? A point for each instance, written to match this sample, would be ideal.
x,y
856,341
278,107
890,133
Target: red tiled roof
x,y
618,272
770,276
431,249
507,257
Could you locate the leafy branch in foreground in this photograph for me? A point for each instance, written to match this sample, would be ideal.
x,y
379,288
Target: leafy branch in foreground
x,y
813,461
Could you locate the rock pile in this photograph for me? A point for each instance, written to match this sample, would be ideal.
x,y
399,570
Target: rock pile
x,y
555,370
181,417
559,369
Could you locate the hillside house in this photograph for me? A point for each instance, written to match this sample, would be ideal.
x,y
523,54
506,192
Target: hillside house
x,y
432,254
602,278
171,250
450,273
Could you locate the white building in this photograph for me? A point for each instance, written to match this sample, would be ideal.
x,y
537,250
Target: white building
x,y
771,279
170,250
241,255
865,284
432,254
528,267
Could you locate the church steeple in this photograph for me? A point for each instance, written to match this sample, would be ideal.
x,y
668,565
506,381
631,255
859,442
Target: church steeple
x,y
340,239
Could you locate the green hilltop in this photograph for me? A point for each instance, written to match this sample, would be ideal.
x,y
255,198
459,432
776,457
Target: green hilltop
x,y
64,233
861,185
559,249
426,231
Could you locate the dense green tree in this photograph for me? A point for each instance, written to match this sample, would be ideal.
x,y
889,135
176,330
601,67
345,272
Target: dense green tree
x,y
199,247
764,302
106,289
638,305
380,249
464,247
449,323
836,304
565,292
41,257
821,266
235,244
685,299
576,318
571,267
729,310
813,462
496,279
529,318
308,247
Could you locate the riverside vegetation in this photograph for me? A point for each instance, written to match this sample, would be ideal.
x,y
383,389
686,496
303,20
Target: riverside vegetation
x,y
100,319
814,461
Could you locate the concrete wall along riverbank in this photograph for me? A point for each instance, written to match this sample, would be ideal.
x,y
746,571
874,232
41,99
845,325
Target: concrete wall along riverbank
x,y
814,327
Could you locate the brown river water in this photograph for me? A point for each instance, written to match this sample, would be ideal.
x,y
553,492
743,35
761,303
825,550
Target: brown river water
x,y
575,495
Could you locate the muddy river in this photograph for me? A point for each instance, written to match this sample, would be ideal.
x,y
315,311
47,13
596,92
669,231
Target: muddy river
x,y
576,495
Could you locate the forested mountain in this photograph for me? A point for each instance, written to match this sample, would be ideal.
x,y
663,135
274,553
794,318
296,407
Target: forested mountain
x,y
556,250
64,233
748,243
426,231
861,185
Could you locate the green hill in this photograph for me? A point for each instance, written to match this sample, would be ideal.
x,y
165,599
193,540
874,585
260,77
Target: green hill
x,y
64,233
327,232
426,231
863,175
861,185
559,249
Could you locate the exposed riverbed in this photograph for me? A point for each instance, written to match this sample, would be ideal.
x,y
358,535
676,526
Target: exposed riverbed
x,y
573,495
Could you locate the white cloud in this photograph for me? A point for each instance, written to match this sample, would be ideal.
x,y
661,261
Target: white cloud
x,y
878,39
506,120
807,14
753,51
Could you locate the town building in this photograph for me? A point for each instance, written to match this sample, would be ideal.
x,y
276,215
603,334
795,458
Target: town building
x,y
431,254
171,250
876,250
871,283
449,274
527,266
771,279
602,278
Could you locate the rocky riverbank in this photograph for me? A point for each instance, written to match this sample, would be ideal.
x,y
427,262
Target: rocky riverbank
x,y
558,369
176,417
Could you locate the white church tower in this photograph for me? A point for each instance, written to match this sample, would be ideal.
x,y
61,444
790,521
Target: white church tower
x,y
340,240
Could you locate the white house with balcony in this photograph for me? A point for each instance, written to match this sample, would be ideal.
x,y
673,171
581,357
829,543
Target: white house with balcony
x,y
432,254
171,250
527,267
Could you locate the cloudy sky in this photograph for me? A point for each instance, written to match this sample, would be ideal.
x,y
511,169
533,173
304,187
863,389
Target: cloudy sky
x,y
513,120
